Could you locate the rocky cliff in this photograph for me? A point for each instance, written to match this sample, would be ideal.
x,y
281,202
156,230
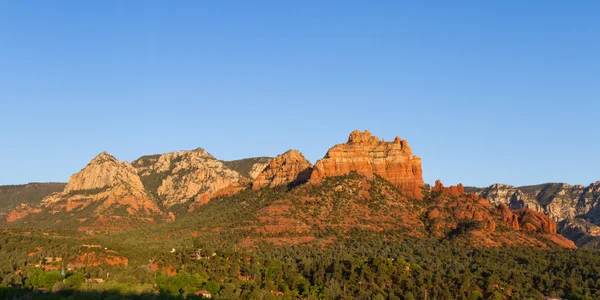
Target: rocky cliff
x,y
178,177
289,167
369,156
572,205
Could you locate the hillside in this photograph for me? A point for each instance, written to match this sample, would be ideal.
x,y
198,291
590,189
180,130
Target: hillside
x,y
248,167
12,196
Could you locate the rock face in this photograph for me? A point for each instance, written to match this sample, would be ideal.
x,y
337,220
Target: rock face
x,y
104,171
289,167
105,178
510,219
369,156
532,221
557,200
178,177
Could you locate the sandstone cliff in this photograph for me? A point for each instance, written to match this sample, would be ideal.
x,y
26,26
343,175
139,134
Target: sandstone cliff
x,y
289,167
369,156
178,177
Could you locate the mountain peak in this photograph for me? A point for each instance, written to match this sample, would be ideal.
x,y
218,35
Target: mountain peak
x,y
289,167
104,170
362,138
103,157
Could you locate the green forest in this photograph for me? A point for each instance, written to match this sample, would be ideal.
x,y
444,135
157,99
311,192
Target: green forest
x,y
363,266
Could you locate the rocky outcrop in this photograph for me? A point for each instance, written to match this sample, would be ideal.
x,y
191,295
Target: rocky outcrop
x,y
568,204
453,212
369,156
178,177
532,221
105,171
511,220
106,182
455,190
289,167
509,196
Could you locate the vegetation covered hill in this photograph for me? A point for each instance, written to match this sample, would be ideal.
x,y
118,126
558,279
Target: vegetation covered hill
x,y
248,167
12,196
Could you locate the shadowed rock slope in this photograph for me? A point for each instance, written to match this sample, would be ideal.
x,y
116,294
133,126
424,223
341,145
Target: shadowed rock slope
x,y
248,167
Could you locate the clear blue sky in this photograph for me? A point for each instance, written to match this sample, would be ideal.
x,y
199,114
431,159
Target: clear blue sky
x,y
484,92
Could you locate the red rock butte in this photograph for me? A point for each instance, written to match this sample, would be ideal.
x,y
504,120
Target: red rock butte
x,y
369,156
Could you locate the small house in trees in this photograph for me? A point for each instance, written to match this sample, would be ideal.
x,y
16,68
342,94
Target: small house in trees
x,y
204,294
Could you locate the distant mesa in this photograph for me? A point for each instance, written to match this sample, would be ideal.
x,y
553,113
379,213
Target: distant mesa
x,y
369,156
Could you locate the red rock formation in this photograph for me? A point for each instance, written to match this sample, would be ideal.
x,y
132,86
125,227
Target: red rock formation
x,y
526,220
454,190
452,204
370,156
288,167
510,219
532,221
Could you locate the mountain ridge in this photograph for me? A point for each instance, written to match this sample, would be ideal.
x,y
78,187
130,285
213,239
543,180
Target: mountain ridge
x,y
383,183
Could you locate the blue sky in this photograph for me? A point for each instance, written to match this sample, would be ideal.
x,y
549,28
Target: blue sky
x,y
485,92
